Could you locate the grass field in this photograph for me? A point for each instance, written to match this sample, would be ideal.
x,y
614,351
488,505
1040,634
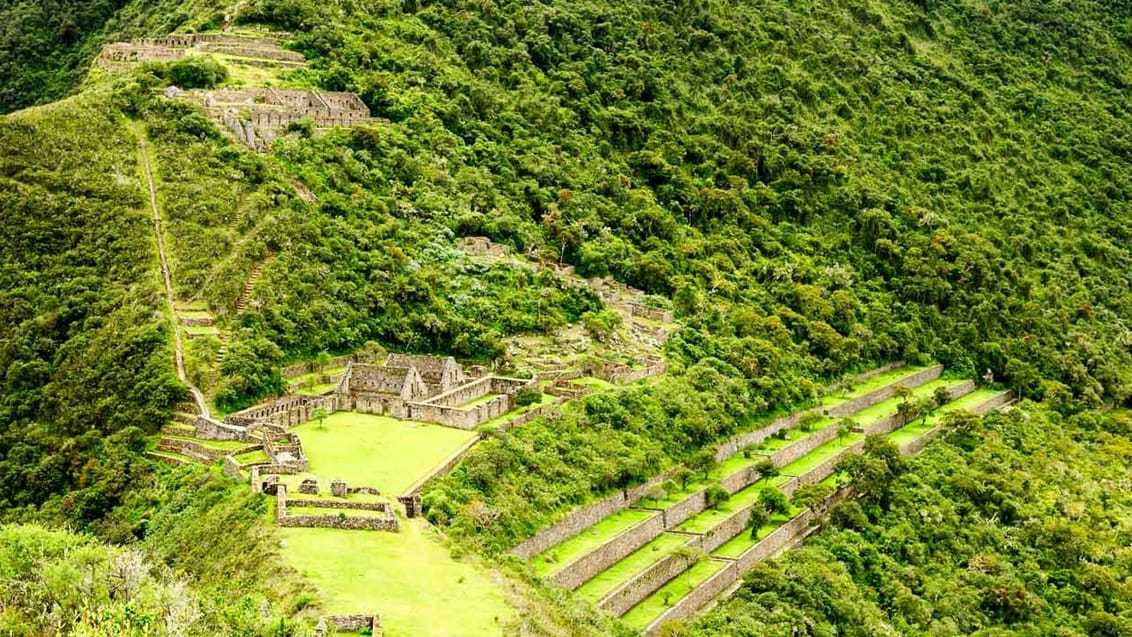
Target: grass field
x,y
408,577
377,451
556,557
644,613
876,382
811,460
636,562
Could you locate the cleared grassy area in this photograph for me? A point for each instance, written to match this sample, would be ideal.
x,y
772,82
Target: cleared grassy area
x,y
192,306
222,445
597,384
478,401
820,455
194,314
409,577
201,330
556,557
874,383
376,451
921,426
313,376
703,521
627,568
742,542
316,389
641,615
252,457
891,406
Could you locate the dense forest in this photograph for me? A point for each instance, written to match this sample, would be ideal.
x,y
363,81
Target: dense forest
x,y
816,187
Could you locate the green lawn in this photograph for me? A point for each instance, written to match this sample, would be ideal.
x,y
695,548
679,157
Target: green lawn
x,y
252,456
313,376
556,557
740,543
921,426
874,383
407,577
194,314
316,390
643,614
627,568
298,509
819,455
889,407
703,521
597,384
544,399
376,451
201,330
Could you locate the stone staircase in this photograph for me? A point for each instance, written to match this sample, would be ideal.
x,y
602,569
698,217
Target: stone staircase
x,y
249,286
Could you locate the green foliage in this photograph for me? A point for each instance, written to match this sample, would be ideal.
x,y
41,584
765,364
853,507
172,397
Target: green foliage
x,y
528,395
197,72
1019,534
715,495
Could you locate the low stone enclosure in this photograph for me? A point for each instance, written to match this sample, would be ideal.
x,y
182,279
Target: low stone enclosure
x,y
384,520
702,538
349,624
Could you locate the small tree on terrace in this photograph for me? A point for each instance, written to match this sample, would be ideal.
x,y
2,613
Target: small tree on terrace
x,y
941,396
759,517
527,395
682,475
716,495
703,461
766,469
845,427
319,414
774,501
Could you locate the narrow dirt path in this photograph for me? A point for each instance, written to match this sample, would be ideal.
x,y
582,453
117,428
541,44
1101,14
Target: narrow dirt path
x,y
178,350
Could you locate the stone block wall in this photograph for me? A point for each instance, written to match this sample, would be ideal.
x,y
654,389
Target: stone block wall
x,y
825,469
570,525
284,518
727,528
734,445
634,591
651,313
775,541
884,393
550,410
676,514
587,566
209,429
697,598
793,452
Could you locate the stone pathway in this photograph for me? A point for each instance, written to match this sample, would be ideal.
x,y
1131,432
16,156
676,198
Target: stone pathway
x,y
178,350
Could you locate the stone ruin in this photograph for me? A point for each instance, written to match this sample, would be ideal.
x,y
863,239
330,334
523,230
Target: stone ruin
x,y
379,515
309,486
262,50
257,115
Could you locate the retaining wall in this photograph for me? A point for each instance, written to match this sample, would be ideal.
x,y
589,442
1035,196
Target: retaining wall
x,y
630,593
697,598
825,469
677,513
587,566
884,393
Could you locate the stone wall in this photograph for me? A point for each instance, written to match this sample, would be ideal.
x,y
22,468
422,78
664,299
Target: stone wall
x,y
209,429
735,444
284,518
635,590
917,445
587,566
651,313
551,410
884,393
483,247
676,514
584,517
697,598
196,449
623,374
448,465
897,420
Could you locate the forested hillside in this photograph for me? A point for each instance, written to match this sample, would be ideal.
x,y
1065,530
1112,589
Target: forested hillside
x,y
816,188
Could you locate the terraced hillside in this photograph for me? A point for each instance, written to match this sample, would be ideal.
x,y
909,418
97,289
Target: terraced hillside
x,y
676,546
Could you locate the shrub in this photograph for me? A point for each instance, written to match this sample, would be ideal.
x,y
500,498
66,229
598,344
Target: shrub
x,y
197,72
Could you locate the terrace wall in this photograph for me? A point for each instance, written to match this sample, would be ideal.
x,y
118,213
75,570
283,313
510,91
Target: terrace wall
x,y
634,591
884,393
697,598
898,420
587,566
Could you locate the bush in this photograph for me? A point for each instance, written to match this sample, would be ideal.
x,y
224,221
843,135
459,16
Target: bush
x,y
197,72
528,395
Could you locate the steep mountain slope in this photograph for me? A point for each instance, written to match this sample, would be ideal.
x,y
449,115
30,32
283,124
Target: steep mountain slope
x,y
813,187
